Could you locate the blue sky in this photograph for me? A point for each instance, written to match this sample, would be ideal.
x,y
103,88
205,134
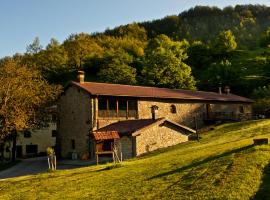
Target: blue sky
x,y
23,20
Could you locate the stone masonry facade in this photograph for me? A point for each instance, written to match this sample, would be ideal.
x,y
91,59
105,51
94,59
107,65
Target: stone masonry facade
x,y
157,137
75,121
78,116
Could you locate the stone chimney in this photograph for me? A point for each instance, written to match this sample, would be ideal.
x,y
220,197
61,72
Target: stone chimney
x,y
154,110
227,89
80,76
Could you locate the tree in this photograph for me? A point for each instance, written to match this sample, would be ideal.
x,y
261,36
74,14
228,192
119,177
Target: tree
x,y
79,48
116,69
265,38
199,55
164,66
224,43
35,47
23,94
53,62
221,74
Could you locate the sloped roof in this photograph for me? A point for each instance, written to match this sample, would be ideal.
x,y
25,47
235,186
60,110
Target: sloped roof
x,y
132,127
105,135
127,127
153,92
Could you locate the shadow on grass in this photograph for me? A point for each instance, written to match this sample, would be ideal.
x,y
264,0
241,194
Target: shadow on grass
x,y
264,190
196,164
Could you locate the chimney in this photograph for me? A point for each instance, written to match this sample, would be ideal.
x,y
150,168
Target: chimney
x,y
154,110
219,90
80,76
227,89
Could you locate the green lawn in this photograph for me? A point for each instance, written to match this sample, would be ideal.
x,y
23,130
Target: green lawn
x,y
222,165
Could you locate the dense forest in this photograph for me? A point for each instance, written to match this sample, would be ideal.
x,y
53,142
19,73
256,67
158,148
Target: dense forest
x,y
201,48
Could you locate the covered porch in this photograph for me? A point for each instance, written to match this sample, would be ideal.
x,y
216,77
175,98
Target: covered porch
x,y
106,144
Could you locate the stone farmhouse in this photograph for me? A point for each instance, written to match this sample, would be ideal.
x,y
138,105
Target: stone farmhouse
x,y
95,117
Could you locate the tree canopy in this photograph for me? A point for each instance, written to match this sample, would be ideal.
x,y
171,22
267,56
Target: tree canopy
x,y
23,93
164,65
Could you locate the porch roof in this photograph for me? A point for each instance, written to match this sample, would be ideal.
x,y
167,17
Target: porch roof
x,y
132,127
105,135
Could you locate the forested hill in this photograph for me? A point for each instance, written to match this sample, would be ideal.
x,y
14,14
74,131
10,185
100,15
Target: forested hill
x,y
247,22
201,48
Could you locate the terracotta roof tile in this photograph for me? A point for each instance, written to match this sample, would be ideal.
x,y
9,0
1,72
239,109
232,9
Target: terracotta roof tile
x,y
153,92
132,127
128,126
105,135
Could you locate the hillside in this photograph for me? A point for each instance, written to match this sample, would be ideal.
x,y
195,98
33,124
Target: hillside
x,y
222,165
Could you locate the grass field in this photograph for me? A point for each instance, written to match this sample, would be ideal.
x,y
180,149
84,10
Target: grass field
x,y
222,165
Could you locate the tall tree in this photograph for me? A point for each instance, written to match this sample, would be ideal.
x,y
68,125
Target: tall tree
x,y
34,47
53,62
221,74
23,94
80,47
116,69
265,38
164,66
225,43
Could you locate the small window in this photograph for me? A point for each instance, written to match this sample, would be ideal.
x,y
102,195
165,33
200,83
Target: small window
x,y
173,109
73,144
27,134
54,133
241,109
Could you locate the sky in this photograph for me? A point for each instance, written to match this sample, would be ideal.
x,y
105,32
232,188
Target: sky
x,y
23,20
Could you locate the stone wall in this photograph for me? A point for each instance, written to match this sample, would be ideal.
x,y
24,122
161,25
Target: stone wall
x,y
75,121
157,137
234,108
185,111
125,146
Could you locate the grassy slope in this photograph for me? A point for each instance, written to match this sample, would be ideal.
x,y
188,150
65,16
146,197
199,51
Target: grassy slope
x,y
222,165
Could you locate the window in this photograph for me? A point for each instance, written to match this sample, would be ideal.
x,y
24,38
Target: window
x,y
27,134
132,108
102,107
73,144
173,109
113,107
122,108
241,109
54,133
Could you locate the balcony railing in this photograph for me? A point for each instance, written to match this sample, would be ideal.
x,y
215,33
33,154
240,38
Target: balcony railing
x,y
120,113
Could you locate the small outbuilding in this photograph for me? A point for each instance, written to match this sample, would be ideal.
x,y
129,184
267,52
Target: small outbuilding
x,y
137,137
